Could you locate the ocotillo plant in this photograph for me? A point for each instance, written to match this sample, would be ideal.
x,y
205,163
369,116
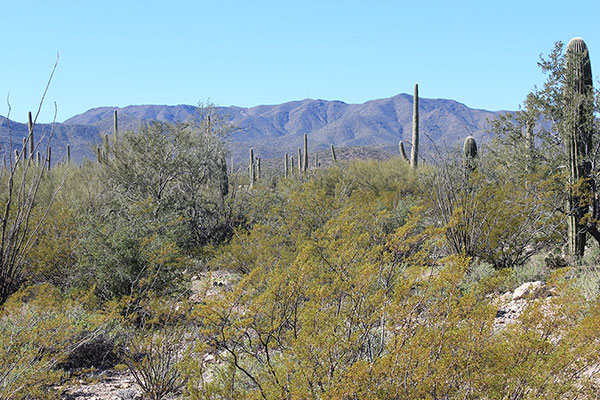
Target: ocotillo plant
x,y
530,124
469,153
31,141
285,166
305,163
24,148
251,168
578,138
414,154
333,153
402,152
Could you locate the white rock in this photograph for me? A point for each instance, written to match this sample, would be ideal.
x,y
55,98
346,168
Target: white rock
x,y
525,289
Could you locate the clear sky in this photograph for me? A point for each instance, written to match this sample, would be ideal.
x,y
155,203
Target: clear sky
x,y
249,52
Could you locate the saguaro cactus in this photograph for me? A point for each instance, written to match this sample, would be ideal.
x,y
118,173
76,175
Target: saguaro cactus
x,y
286,166
470,153
31,141
333,153
68,154
299,160
305,163
257,168
115,128
578,138
49,158
251,168
414,153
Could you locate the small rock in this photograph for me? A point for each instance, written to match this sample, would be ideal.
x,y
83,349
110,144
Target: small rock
x,y
127,394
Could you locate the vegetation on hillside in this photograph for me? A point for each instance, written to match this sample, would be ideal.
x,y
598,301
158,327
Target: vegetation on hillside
x,y
364,279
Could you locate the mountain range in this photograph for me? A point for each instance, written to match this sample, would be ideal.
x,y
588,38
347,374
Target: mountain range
x,y
273,130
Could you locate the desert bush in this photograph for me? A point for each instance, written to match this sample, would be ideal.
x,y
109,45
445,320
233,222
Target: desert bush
x,y
335,303
350,313
156,345
493,216
130,254
38,330
180,169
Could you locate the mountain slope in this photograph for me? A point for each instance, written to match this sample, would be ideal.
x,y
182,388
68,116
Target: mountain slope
x,y
275,129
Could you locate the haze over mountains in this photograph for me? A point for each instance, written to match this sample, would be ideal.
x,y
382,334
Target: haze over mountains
x,y
276,129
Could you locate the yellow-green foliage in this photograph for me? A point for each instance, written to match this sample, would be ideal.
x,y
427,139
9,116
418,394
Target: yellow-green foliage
x,y
38,329
337,303
491,213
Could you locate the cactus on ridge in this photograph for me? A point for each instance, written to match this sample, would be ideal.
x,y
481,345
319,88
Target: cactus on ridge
x,y
469,153
251,168
30,138
305,163
414,154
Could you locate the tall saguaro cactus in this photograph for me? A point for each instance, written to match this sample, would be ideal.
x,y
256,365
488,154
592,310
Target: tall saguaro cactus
x,y
115,128
578,139
251,168
333,157
414,153
305,162
286,166
31,141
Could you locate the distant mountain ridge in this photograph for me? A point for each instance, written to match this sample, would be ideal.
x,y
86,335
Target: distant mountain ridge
x,y
275,129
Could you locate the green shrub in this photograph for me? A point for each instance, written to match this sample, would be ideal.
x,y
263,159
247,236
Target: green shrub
x,y
38,331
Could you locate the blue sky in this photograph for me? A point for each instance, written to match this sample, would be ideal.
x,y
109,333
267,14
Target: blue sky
x,y
246,53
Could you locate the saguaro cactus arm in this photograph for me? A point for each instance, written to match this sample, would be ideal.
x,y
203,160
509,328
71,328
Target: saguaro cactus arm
x,y
402,152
